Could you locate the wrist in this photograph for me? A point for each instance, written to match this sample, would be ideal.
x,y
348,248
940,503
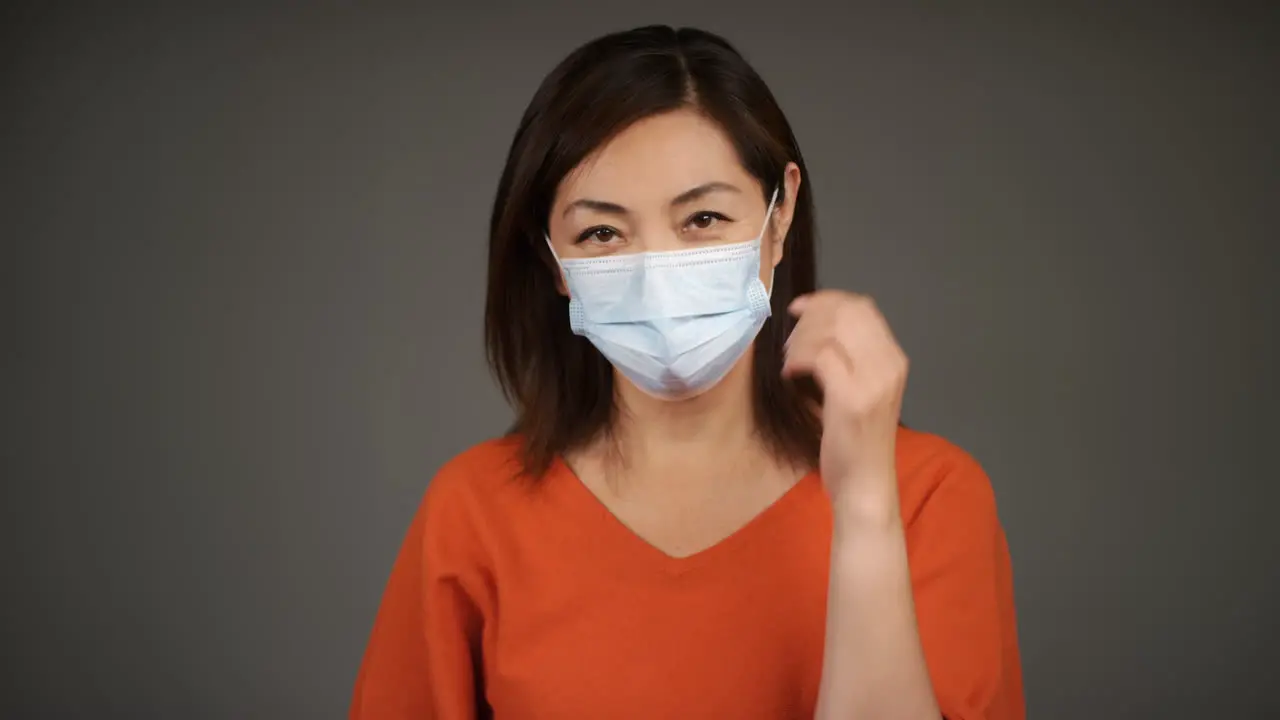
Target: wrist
x,y
861,511
867,538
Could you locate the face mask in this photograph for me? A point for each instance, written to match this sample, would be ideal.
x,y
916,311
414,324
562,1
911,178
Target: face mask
x,y
674,323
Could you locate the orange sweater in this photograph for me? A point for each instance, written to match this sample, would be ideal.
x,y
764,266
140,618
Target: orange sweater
x,y
521,601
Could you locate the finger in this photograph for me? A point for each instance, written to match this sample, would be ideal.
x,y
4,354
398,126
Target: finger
x,y
811,332
864,336
875,339
801,346
831,369
849,333
799,304
862,330
811,350
813,315
852,330
799,332
817,298
851,322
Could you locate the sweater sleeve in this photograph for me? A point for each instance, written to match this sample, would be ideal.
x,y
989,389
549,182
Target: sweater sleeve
x,y
963,593
422,659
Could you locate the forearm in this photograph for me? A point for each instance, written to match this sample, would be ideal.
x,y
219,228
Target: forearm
x,y
873,665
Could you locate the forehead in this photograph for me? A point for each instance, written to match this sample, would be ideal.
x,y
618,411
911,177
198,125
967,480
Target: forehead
x,y
656,159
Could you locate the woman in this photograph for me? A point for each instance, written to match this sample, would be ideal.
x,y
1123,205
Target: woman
x,y
707,507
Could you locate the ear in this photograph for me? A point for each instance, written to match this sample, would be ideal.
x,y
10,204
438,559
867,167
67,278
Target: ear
x,y
784,211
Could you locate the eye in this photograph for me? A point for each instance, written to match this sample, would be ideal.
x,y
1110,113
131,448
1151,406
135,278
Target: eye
x,y
704,220
601,234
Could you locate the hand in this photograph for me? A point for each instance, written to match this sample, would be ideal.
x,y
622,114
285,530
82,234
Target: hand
x,y
843,341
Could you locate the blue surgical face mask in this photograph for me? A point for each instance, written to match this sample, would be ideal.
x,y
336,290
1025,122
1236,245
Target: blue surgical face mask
x,y
674,323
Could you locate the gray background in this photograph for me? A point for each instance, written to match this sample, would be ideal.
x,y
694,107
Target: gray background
x,y
243,266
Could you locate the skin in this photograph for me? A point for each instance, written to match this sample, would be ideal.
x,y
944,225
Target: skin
x,y
693,471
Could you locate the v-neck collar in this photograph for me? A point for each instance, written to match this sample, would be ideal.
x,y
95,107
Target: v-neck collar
x,y
638,550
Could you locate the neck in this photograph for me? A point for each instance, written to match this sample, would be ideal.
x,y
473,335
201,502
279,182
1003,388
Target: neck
x,y
653,433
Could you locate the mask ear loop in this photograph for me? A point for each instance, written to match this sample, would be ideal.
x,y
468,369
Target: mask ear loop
x,y
576,319
552,248
564,276
768,214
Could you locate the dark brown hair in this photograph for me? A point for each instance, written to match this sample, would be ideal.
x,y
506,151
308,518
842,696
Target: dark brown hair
x,y
560,386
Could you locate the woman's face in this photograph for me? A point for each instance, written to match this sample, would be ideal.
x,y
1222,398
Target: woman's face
x,y
668,182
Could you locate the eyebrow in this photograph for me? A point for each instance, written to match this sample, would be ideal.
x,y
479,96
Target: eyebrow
x,y
703,190
683,198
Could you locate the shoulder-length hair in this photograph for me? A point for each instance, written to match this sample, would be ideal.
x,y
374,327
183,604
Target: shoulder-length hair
x,y
559,385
